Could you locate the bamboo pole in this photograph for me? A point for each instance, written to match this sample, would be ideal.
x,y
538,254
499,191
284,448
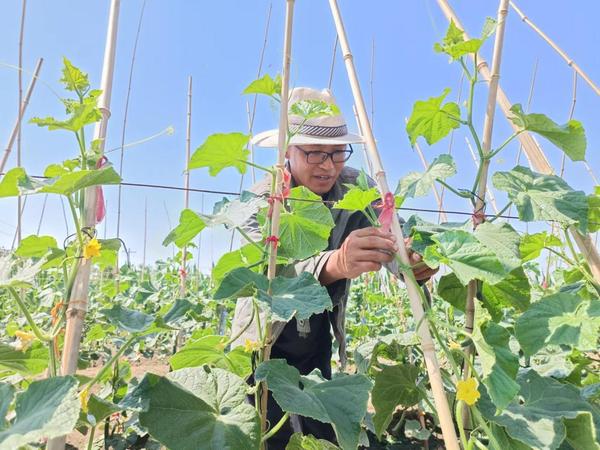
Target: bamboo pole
x,y
280,167
145,237
484,164
17,126
489,194
532,150
414,293
556,48
186,192
20,83
78,301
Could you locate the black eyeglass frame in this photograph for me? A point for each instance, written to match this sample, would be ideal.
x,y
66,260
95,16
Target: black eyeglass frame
x,y
326,155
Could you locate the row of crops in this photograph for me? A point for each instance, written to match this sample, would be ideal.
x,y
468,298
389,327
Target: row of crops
x,y
518,349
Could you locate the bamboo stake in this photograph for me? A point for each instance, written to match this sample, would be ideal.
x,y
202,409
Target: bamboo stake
x,y
20,78
186,192
78,301
532,150
280,167
436,194
413,289
489,193
17,126
145,237
558,50
488,127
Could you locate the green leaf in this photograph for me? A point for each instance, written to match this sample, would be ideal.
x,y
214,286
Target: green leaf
x,y
391,346
49,408
453,291
99,409
211,410
80,115
594,212
309,109
177,310
128,319
417,184
413,430
531,245
570,137
498,363
304,231
210,350
69,182
7,395
9,185
543,197
234,213
466,256
35,246
33,361
73,78
298,441
559,319
222,150
432,120
503,241
301,297
455,45
357,199
245,256
190,224
512,292
544,414
15,275
394,385
265,85
341,401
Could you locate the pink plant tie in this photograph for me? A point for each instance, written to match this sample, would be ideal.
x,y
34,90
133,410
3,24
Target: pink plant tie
x,y
274,240
100,207
388,208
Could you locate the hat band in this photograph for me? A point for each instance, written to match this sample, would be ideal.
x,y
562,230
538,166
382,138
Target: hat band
x,y
319,130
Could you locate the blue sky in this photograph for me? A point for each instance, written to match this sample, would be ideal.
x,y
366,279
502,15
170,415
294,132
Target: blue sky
x,y
219,44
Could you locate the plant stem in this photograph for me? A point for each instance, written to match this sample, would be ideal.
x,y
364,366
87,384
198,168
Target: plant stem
x,y
451,189
239,333
276,428
493,153
502,211
459,422
481,421
41,336
75,220
90,445
111,361
249,239
257,166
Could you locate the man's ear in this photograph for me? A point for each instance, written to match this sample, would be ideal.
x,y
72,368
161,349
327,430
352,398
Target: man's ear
x,y
287,152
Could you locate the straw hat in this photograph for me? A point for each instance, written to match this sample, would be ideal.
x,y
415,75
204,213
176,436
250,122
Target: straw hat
x,y
325,130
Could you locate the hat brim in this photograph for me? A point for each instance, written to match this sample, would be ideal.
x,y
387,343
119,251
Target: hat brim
x,y
270,138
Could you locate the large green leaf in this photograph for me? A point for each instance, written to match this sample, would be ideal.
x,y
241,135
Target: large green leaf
x,y
512,292
341,401
357,199
15,275
7,395
394,385
559,319
451,289
298,441
432,120
417,184
32,361
35,246
570,137
48,408
199,408
128,319
210,350
545,413
498,363
222,150
503,241
391,346
73,78
543,197
455,45
9,184
234,213
190,224
531,245
246,255
265,85
304,231
80,115
301,296
309,109
466,256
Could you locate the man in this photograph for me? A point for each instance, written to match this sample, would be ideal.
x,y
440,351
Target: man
x,y
316,158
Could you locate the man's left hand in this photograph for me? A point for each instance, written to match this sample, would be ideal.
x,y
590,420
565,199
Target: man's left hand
x,y
421,271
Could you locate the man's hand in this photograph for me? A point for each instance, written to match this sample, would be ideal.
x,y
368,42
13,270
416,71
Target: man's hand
x,y
420,269
365,250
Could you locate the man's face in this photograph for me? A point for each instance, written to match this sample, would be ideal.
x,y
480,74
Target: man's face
x,y
320,177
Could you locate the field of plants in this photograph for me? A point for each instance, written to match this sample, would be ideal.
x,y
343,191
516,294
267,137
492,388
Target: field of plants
x,y
498,351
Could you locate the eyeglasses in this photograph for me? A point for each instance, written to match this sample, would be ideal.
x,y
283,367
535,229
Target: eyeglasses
x,y
319,157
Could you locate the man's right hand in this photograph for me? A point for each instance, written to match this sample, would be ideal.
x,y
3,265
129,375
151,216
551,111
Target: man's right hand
x,y
364,250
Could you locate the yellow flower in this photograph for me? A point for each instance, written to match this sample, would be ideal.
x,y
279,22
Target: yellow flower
x,y
25,340
453,345
92,249
251,346
467,391
84,397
